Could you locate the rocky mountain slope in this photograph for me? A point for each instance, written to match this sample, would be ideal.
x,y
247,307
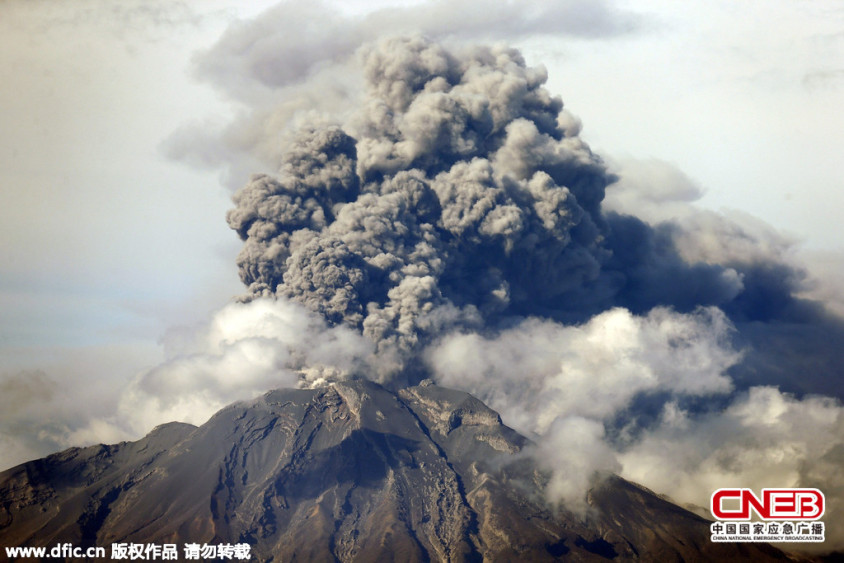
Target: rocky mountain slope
x,y
349,472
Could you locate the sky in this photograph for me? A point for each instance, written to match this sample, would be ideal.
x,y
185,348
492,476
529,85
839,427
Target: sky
x,y
125,129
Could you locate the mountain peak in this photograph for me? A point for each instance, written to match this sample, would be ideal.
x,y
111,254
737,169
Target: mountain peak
x,y
348,472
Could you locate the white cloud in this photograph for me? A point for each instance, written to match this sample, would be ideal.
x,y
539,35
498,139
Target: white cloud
x,y
574,451
244,350
541,370
561,383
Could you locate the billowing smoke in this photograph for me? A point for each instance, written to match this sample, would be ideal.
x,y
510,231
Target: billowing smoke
x,y
456,192
462,197
244,350
540,370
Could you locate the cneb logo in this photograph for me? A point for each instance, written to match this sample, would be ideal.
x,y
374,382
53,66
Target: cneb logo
x,y
775,504
784,515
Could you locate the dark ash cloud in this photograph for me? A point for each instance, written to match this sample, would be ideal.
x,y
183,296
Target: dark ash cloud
x,y
460,195
463,198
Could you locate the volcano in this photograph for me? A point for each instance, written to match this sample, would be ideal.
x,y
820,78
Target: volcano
x,y
348,472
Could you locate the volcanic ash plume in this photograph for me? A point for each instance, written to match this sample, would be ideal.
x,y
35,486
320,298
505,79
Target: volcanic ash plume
x,y
462,194
449,225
